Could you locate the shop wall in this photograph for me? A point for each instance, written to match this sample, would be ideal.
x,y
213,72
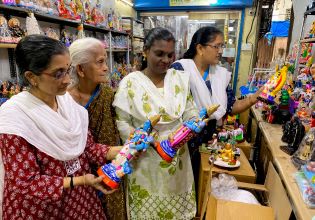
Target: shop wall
x,y
125,10
245,65
280,9
299,7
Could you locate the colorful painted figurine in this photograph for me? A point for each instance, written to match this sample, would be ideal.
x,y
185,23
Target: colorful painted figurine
x,y
274,85
227,153
167,149
213,143
238,135
139,141
223,136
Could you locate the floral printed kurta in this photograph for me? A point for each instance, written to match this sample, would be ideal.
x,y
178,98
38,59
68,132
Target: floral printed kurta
x,y
157,189
33,183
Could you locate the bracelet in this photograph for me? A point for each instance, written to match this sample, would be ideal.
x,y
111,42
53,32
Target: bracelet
x,y
71,182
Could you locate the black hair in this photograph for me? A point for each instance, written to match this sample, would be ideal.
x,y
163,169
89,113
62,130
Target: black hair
x,y
153,35
34,53
202,36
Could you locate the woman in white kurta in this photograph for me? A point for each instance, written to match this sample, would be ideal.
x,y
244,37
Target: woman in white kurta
x,y
156,189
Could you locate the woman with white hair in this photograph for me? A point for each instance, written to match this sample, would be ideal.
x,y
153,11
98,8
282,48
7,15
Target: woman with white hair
x,y
89,71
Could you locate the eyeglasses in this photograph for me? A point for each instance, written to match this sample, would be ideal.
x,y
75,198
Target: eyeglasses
x,y
59,74
217,47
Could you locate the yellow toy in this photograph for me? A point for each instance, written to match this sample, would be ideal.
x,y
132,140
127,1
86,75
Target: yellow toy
x,y
274,85
227,153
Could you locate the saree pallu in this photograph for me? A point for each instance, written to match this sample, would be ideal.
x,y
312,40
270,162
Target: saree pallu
x,y
103,126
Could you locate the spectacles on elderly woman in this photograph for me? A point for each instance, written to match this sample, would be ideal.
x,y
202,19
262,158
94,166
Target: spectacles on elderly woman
x,y
217,47
59,74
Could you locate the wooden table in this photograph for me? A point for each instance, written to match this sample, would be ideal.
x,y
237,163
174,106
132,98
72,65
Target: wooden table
x,y
244,173
272,134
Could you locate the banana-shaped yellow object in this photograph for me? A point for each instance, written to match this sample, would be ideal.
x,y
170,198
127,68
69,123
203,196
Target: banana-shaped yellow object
x,y
281,77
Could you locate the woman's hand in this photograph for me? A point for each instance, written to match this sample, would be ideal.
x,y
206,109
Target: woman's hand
x,y
253,98
97,183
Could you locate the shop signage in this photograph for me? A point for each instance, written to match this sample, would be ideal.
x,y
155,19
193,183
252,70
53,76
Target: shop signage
x,y
192,2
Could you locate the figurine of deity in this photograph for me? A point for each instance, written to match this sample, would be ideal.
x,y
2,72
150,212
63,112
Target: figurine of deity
x,y
227,153
139,141
167,149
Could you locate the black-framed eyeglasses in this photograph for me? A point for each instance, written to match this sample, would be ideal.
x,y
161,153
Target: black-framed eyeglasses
x,y
217,47
59,74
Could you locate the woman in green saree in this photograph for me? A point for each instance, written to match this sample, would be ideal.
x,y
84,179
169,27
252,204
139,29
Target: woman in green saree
x,y
88,58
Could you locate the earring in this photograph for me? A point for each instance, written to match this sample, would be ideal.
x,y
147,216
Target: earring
x,y
144,57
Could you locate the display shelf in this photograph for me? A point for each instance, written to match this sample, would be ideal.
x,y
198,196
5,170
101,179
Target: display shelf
x,y
310,12
23,12
6,45
135,36
308,40
119,50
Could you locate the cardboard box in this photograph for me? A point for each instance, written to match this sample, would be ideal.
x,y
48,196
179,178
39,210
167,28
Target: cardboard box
x,y
228,210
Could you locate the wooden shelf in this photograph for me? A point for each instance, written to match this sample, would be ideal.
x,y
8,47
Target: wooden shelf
x,y
135,36
6,45
23,12
120,50
309,40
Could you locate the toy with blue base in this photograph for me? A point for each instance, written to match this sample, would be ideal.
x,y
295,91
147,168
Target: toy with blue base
x,y
139,141
167,149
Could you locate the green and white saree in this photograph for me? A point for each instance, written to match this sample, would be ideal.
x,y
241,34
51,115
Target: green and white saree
x,y
156,189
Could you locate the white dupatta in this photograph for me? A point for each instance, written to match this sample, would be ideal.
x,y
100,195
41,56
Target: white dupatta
x,y
61,135
219,79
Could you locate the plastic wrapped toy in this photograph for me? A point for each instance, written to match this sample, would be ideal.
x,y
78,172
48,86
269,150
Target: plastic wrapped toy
x,y
274,85
167,149
137,142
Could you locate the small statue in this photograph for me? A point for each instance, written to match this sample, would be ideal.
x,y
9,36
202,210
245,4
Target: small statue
x,y
97,15
238,135
223,136
5,35
65,38
62,9
293,133
213,143
139,141
167,149
227,153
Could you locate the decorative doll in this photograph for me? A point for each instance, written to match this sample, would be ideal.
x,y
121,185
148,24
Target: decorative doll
x,y
87,11
32,26
274,84
167,149
293,132
62,9
303,154
97,15
65,38
138,141
223,136
227,153
213,143
5,35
